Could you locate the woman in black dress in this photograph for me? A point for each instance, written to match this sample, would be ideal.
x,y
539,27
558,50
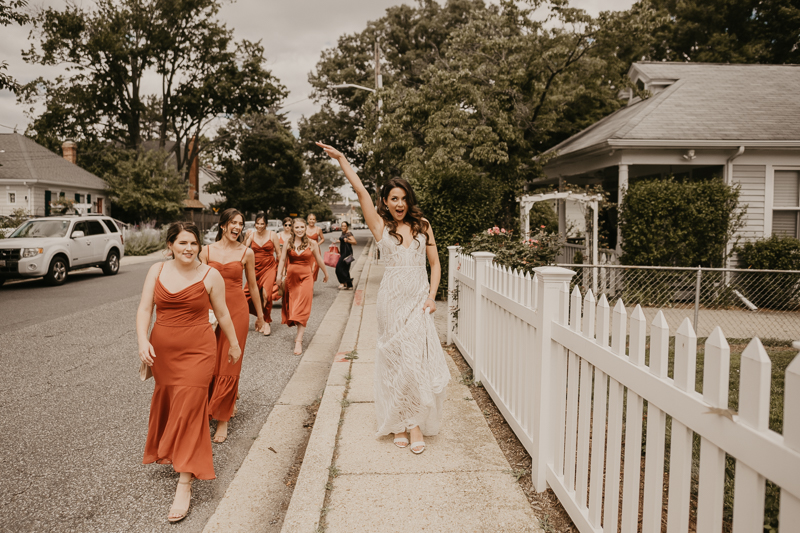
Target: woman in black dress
x,y
346,242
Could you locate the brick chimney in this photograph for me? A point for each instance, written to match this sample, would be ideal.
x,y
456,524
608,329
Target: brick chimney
x,y
70,151
194,173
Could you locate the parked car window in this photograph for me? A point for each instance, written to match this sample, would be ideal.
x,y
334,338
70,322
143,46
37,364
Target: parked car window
x,y
112,227
80,226
42,228
95,227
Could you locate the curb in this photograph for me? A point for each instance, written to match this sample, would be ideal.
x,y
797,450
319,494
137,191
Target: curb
x,y
255,499
303,514
158,255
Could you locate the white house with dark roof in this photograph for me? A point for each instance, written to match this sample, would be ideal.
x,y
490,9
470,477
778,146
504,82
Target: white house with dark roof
x,y
31,176
740,122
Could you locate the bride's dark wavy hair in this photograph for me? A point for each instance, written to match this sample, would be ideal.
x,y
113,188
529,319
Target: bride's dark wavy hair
x,y
413,216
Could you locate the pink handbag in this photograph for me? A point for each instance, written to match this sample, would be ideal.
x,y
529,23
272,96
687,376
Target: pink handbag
x,y
331,256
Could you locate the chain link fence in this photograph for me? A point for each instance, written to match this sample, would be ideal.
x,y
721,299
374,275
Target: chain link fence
x,y
744,303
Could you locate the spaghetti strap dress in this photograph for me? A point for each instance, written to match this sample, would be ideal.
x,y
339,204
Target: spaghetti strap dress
x,y
315,267
299,287
266,272
225,385
186,350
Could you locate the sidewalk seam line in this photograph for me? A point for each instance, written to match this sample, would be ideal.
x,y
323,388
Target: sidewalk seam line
x,y
322,523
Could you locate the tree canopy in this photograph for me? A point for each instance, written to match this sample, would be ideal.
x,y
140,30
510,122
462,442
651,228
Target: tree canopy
x,y
472,94
261,167
11,12
108,50
144,187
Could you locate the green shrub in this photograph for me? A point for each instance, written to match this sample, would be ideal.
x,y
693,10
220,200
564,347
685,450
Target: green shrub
x,y
510,251
770,290
772,253
143,242
666,222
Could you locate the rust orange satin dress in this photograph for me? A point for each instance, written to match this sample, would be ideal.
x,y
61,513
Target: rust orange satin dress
x,y
299,287
225,385
266,271
314,237
276,294
186,350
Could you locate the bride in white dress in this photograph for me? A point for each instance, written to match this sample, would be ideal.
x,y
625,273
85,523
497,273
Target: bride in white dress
x,y
411,373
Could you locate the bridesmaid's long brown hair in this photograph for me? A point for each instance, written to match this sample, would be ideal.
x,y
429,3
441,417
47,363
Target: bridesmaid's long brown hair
x,y
304,241
413,215
226,216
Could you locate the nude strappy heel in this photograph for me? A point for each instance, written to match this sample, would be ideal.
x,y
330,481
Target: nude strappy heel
x,y
184,511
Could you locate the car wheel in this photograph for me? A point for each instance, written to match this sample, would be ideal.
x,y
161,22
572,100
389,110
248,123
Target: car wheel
x,y
57,273
2,280
111,266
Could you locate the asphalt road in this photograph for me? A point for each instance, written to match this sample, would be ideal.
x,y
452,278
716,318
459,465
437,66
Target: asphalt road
x,y
76,413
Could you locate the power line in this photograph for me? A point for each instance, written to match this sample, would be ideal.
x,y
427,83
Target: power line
x,y
296,102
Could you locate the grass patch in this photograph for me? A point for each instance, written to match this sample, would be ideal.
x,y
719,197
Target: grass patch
x,y
518,473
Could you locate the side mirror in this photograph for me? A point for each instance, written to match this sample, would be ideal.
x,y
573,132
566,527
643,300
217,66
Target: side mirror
x,y
78,234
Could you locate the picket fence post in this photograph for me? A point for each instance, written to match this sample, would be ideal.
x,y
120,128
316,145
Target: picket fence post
x,y
482,262
550,282
451,277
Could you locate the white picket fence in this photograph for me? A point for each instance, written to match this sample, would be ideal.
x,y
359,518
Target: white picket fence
x,y
556,366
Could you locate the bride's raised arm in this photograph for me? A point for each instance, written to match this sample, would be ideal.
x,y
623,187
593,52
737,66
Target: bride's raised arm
x,y
371,216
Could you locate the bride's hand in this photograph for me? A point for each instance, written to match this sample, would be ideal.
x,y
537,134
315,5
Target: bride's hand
x,y
429,304
332,152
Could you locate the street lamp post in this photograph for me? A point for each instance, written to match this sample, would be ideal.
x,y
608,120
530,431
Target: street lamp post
x,y
351,86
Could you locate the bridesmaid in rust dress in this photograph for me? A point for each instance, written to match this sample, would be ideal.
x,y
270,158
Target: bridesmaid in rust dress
x,y
266,248
298,255
182,352
315,234
229,256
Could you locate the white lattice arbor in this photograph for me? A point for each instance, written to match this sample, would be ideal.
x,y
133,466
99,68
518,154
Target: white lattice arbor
x,y
592,200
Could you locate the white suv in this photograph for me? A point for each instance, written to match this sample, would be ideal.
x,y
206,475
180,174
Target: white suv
x,y
53,246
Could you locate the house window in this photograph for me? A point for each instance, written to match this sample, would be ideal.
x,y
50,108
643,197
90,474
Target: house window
x,y
786,203
12,197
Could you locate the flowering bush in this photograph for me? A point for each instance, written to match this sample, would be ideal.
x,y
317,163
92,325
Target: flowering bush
x,y
144,241
511,251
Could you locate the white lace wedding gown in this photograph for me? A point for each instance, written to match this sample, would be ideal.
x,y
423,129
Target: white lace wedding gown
x,y
410,369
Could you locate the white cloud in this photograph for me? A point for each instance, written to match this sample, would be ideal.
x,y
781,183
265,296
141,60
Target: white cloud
x,y
293,33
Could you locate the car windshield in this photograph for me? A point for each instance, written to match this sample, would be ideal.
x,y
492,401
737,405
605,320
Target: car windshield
x,y
41,228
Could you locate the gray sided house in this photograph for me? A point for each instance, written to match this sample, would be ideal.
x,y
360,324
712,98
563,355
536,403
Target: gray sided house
x,y
739,122
31,177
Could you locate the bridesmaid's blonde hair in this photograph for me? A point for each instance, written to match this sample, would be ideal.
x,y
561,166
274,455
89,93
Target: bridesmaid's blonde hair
x,y
304,241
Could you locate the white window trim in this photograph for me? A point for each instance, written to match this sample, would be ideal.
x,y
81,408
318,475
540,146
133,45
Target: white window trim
x,y
8,196
769,207
769,204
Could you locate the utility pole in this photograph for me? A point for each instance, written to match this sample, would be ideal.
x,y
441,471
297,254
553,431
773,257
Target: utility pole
x,y
378,77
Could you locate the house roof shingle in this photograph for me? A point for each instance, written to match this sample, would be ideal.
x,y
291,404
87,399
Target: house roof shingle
x,y
22,158
706,102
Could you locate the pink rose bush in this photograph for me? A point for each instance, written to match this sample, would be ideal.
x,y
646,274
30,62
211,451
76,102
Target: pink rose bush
x,y
541,248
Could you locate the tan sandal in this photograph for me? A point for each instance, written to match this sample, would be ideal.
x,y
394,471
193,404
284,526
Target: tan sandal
x,y
185,512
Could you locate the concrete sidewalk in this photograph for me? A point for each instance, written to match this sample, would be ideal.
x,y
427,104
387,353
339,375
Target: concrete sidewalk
x,y
352,481
257,498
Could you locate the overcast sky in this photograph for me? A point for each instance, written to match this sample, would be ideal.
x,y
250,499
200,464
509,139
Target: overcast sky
x,y
293,33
